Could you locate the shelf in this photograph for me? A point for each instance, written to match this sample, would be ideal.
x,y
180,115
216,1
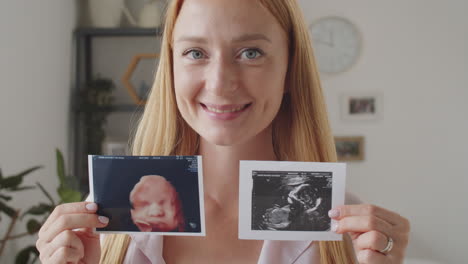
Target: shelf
x,y
81,131
118,32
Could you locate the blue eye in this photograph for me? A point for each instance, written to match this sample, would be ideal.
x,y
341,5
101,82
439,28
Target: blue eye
x,y
195,54
252,53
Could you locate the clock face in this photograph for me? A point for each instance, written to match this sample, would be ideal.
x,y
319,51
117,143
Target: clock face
x,y
337,44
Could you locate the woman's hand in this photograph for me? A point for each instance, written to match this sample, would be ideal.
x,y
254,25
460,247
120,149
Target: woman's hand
x,y
67,236
372,230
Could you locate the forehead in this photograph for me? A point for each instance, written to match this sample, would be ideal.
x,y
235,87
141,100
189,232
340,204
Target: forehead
x,y
226,19
153,189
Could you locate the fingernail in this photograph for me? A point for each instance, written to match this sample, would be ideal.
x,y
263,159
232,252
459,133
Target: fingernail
x,y
91,207
334,213
103,219
334,226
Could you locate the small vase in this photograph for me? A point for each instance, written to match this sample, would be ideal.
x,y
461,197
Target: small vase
x,y
151,14
105,13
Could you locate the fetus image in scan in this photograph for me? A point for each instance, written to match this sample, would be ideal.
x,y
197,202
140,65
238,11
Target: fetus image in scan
x,y
156,206
292,201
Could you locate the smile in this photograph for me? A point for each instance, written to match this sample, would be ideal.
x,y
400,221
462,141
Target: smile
x,y
225,108
225,112
216,110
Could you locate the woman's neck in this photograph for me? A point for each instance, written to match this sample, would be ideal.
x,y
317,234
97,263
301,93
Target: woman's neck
x,y
221,165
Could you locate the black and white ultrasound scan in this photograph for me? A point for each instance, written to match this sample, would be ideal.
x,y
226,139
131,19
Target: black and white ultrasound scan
x,y
289,200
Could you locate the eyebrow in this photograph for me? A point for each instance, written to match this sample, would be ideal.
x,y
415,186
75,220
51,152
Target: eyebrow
x,y
245,37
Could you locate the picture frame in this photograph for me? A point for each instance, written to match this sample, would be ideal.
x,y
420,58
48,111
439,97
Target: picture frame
x,y
350,148
362,106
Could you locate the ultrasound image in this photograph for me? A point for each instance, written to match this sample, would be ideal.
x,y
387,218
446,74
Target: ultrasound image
x,y
291,200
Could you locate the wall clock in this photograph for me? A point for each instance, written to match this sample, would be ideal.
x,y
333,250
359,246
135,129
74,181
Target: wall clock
x,y
337,44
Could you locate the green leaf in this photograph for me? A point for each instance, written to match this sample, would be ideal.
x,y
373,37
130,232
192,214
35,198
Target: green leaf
x,y
7,209
68,195
25,172
23,256
44,191
71,182
12,182
40,209
5,197
60,167
33,226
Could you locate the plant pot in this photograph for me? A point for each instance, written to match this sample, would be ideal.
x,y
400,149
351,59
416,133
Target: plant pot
x,y
105,13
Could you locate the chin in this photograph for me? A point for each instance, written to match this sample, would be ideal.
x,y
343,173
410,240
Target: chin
x,y
161,229
223,139
229,137
220,142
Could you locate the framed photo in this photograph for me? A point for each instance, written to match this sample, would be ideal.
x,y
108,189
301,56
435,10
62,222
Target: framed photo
x,y
350,148
362,106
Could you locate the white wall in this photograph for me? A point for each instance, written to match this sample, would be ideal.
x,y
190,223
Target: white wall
x,y
35,70
416,53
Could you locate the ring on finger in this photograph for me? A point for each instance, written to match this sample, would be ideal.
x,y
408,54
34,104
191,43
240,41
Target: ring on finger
x,y
387,248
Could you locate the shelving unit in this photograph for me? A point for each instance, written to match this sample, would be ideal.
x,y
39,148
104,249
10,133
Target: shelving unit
x,y
83,74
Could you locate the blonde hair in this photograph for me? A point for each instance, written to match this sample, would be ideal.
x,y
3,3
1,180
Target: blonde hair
x,y
301,130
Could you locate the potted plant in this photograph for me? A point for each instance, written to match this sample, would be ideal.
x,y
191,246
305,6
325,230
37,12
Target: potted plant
x,y
96,102
37,213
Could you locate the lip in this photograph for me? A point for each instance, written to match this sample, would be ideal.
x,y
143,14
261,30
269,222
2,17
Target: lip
x,y
143,226
225,116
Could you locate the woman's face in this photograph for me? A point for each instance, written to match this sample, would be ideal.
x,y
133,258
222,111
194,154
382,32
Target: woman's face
x,y
230,63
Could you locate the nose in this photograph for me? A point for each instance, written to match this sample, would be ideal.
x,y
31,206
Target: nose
x,y
221,77
155,210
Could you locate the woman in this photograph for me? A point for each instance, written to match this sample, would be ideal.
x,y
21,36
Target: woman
x,y
236,81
